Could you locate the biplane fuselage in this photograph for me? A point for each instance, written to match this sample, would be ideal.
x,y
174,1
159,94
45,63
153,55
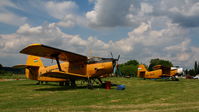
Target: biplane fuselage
x,y
74,66
77,70
158,72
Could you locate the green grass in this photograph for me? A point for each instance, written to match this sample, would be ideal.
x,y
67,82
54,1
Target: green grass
x,y
139,95
12,76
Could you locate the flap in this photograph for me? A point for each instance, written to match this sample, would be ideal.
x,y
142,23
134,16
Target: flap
x,y
51,53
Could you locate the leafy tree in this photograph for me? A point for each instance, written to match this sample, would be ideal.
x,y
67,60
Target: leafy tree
x,y
1,65
186,71
129,68
192,72
158,61
196,67
132,62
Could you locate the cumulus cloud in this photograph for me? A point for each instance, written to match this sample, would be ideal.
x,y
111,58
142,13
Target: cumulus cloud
x,y
142,43
48,34
183,12
8,17
127,13
60,9
12,19
109,13
65,12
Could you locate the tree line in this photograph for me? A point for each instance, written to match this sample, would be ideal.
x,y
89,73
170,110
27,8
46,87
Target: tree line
x,y
10,70
193,71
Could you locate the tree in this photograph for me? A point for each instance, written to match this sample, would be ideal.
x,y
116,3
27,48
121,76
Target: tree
x,y
158,61
192,72
132,62
1,65
196,67
129,68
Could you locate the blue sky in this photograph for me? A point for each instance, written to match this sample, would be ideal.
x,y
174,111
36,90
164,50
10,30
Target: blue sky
x,y
135,29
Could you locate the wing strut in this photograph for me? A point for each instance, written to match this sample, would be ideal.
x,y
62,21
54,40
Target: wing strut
x,y
57,59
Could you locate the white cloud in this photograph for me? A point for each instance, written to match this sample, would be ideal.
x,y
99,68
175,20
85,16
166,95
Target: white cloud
x,y
146,8
142,43
7,3
26,28
184,10
60,9
12,19
9,17
109,13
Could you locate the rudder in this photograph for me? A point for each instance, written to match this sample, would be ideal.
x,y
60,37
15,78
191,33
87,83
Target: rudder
x,y
141,71
33,72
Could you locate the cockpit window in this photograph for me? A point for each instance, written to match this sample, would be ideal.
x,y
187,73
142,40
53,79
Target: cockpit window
x,y
99,60
94,60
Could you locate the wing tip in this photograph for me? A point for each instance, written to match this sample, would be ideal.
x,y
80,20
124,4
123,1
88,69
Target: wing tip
x,y
31,45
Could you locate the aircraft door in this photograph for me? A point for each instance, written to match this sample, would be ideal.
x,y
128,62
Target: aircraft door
x,y
142,74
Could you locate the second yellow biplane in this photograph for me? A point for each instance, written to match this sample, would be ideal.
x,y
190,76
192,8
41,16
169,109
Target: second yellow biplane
x,y
74,67
159,72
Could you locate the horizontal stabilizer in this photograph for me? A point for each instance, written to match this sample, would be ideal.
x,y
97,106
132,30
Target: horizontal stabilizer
x,y
25,66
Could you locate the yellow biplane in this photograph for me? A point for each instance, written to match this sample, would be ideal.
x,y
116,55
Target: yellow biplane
x,y
159,72
74,67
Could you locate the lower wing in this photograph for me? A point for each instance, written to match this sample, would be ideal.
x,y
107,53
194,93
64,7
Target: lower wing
x,y
64,75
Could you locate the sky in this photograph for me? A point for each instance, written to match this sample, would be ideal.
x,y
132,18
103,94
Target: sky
x,y
135,29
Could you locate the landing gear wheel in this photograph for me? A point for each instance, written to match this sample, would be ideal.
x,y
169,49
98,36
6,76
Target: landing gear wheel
x,y
38,83
174,79
73,84
61,83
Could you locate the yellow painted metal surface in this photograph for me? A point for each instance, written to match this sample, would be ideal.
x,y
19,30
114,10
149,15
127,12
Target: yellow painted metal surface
x,y
34,67
50,53
158,72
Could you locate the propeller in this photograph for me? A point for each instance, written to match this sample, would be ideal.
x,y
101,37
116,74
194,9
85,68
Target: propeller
x,y
115,62
111,54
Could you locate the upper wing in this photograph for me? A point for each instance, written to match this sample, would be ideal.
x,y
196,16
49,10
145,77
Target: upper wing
x,y
52,53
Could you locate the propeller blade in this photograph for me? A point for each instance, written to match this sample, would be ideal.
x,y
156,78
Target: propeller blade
x,y
118,58
111,54
114,69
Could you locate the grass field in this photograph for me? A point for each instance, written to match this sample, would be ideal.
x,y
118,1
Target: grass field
x,y
12,76
139,96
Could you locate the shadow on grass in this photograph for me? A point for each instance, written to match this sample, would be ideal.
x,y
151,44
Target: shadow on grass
x,y
161,80
34,84
64,88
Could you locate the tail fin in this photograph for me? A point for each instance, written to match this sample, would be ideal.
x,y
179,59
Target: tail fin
x,y
141,71
33,63
142,68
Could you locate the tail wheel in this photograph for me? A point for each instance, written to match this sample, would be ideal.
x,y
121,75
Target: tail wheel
x,y
174,78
